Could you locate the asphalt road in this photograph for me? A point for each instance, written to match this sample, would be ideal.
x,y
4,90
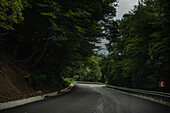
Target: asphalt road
x,y
91,99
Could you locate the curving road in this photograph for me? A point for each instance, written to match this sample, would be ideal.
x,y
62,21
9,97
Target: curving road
x,y
91,99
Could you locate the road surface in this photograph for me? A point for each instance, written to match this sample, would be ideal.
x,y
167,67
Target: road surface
x,y
91,99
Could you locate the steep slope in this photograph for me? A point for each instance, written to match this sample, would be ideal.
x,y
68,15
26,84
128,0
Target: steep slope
x,y
12,83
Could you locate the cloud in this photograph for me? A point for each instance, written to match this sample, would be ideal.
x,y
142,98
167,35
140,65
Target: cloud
x,y
103,47
124,7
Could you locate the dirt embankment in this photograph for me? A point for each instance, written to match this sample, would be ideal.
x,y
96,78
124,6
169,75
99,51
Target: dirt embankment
x,y
13,86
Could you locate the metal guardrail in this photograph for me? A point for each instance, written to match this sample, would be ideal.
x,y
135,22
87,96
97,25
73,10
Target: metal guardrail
x,y
155,93
87,82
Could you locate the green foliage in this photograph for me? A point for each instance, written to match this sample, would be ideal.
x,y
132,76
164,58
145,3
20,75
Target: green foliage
x,y
90,70
54,38
38,78
69,81
30,95
11,12
139,50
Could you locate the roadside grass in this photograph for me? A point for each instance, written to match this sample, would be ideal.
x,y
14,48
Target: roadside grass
x,y
69,80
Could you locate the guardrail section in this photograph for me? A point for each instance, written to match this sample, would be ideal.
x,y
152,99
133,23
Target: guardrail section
x,y
155,93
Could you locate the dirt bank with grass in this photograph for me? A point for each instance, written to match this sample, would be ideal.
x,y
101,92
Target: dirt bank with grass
x,y
16,82
12,83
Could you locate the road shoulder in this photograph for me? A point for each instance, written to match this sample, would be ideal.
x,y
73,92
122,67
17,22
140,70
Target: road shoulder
x,y
142,96
16,103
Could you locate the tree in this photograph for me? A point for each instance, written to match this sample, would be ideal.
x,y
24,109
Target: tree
x,y
139,50
55,36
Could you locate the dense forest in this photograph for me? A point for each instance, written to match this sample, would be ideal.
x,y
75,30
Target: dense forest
x,y
56,39
139,51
